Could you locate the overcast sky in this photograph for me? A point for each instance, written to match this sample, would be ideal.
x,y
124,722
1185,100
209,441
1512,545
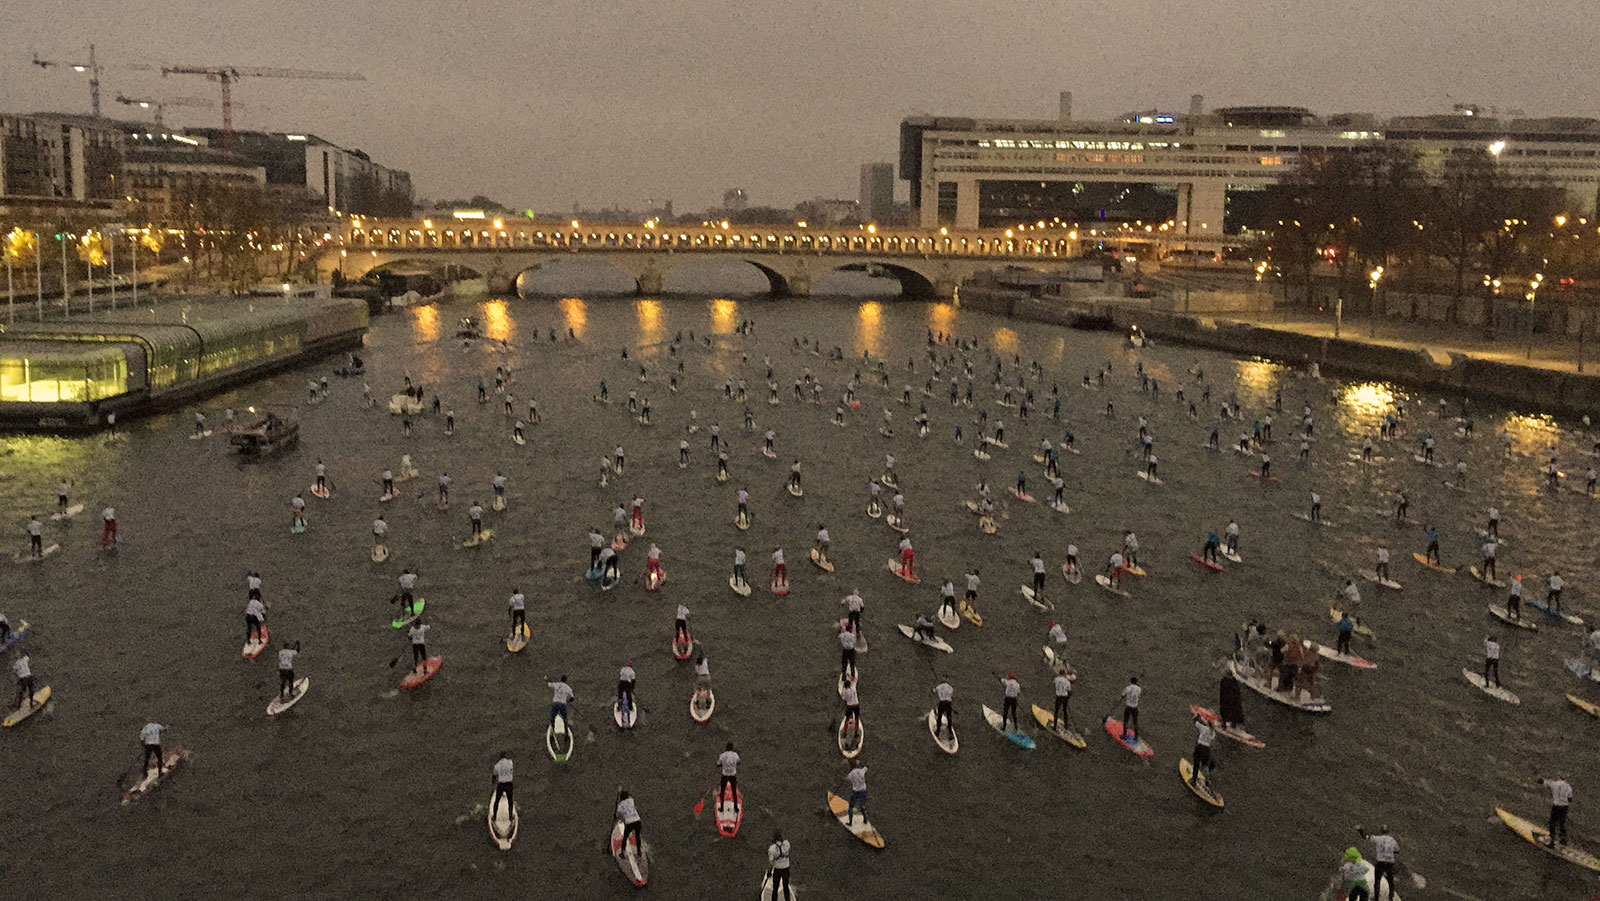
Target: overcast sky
x,y
545,103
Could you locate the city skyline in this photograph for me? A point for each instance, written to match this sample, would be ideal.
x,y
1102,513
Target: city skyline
x,y
619,106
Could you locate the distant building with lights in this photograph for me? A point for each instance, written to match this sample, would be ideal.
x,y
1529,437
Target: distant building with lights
x,y
877,193
60,164
345,181
1201,174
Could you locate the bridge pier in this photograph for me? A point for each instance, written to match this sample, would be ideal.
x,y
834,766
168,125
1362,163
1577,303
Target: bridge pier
x,y
649,280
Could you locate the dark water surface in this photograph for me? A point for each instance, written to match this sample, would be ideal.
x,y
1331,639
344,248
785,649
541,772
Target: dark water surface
x,y
365,791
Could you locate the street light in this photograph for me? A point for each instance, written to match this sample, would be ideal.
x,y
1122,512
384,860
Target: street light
x,y
1533,291
1373,278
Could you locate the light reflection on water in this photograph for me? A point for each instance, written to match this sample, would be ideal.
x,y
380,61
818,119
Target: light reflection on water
x,y
425,322
724,316
576,314
497,324
1532,434
650,328
869,327
1004,340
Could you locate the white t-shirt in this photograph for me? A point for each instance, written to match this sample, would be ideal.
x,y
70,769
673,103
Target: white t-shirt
x,y
777,556
858,779
1203,734
255,609
502,770
518,601
849,696
847,640
151,735
778,854
1384,848
738,557
1038,566
625,674
252,582
729,761
703,668
1130,696
1491,649
1063,686
560,692
379,527
1012,687
944,691
20,667
286,658
972,582
627,812
683,612
408,581
1556,583
419,633
1560,792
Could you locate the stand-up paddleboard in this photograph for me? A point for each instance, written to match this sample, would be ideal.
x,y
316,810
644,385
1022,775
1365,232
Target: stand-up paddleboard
x,y
297,528
1230,555
1134,569
608,584
387,496
619,543
150,780
722,476
1373,577
1233,731
796,490
36,558
1256,474
1071,573
518,640
949,745
874,510
503,822
1591,709
406,619
1424,460
1023,496
703,704
860,828
68,513
32,705
987,526
558,740
1422,559
1540,838
769,454
625,718
1137,745
896,522
593,573
1354,660
1362,629
518,440
1453,486
781,589
1502,614
790,893
1357,457
888,481
970,613
498,504
823,563
949,618
978,452
419,676
1058,728
633,860
654,580
296,692
203,434
1059,508
380,553
742,521
973,508
1104,582
935,642
1017,736
1056,664
852,740
1200,786
1037,601
321,493
894,567
1319,521
254,646
742,589
729,813
17,633
480,539
1582,669
1267,689
1479,576
1206,564
1551,612
1149,478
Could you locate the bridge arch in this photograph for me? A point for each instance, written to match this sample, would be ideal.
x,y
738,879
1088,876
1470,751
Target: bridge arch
x,y
441,268
581,275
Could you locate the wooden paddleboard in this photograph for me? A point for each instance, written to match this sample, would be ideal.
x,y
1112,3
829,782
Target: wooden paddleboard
x,y
861,829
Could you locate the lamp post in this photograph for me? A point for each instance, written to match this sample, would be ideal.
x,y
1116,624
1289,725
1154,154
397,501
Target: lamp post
x,y
38,272
136,269
1373,278
11,290
1533,291
66,305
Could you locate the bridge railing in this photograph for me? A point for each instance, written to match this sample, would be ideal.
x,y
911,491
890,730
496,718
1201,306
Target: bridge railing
x,y
996,243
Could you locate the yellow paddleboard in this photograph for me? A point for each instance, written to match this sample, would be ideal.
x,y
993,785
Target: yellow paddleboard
x,y
38,702
1059,730
1202,789
1585,706
1536,834
971,614
518,641
860,828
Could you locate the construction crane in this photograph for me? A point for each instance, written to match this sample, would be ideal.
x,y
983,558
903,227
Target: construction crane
x,y
160,106
227,75
92,67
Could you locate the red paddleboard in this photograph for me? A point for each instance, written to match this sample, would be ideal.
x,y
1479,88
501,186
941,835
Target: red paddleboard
x,y
728,819
1233,732
913,578
780,588
652,582
253,648
680,649
1214,567
1138,746
419,677
1256,474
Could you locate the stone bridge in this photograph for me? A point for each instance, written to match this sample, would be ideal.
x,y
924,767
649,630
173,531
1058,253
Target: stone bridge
x,y
926,263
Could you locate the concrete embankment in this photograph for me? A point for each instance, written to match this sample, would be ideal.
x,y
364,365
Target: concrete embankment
x,y
1533,388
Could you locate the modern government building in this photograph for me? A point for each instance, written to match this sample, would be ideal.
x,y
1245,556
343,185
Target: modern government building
x,y
1205,173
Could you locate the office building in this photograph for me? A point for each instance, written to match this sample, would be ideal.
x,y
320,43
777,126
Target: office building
x,y
345,181
53,164
877,193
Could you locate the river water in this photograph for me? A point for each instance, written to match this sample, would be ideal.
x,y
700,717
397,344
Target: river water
x,y
361,790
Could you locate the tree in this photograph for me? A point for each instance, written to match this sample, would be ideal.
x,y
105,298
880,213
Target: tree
x,y
1459,214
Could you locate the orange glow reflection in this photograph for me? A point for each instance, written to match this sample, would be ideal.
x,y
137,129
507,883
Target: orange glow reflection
x,y
496,324
1005,340
576,315
941,317
425,322
869,326
724,316
650,327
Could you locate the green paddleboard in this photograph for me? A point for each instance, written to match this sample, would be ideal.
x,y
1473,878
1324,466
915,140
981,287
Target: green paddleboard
x,y
416,608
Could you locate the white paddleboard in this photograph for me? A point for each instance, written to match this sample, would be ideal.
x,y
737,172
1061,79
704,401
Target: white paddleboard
x,y
68,513
503,823
1498,692
948,745
296,692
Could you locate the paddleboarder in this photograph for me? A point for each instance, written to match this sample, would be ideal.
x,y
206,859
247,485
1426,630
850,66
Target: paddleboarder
x,y
1063,691
945,717
1432,553
1355,875
738,567
1490,549
1560,800
1011,689
628,815
1514,599
519,611
408,585
780,571
778,860
297,507
108,533
286,655
728,785
1552,598
1384,852
23,670
853,605
561,694
596,542
502,783
857,778
150,740
1038,576
847,653
947,598
1203,736
1130,708
254,615
1230,700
